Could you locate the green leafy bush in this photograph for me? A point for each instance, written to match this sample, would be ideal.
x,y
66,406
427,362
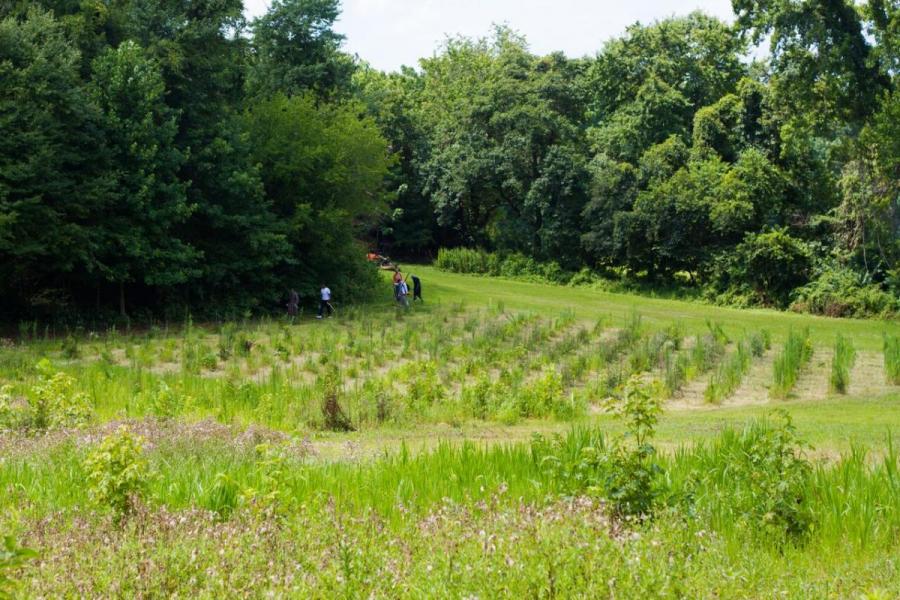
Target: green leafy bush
x,y
7,416
269,495
70,348
117,472
518,266
757,479
706,352
838,291
54,402
766,267
12,556
760,342
624,472
467,260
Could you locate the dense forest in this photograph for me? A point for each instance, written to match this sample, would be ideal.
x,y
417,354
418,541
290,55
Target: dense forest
x,y
159,156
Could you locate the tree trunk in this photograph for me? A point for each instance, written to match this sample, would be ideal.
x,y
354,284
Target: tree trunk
x,y
122,298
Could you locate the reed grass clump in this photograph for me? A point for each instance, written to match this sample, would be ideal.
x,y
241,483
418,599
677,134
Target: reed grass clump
x,y
842,362
892,358
728,376
795,355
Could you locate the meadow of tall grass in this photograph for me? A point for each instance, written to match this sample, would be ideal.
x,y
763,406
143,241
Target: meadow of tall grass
x,y
749,502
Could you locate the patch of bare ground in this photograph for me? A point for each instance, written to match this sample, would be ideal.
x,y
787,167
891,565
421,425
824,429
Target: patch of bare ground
x,y
754,389
812,384
868,377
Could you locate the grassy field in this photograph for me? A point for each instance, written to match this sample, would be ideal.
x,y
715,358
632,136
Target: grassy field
x,y
505,439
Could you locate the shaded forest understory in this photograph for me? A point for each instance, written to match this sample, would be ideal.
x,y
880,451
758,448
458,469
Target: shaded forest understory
x,y
159,158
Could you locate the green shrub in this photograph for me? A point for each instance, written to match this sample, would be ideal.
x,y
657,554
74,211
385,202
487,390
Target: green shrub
x,y
795,355
70,348
706,352
756,479
480,262
54,402
765,267
842,361
651,351
892,358
543,396
12,556
760,342
466,260
838,291
270,495
117,473
166,402
625,472
7,415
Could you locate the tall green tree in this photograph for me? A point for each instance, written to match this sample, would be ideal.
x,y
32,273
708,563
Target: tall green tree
x,y
53,185
140,241
409,227
502,122
323,168
295,50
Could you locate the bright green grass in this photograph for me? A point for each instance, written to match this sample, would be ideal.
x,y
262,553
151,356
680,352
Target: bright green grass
x,y
592,304
432,503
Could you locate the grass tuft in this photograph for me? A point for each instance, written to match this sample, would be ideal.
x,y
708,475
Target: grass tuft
x,y
795,355
841,363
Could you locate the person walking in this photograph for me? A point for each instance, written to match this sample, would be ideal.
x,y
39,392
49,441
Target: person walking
x,y
325,302
293,303
398,279
403,294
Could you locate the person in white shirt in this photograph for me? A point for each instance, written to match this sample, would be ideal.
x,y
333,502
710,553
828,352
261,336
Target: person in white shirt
x,y
325,302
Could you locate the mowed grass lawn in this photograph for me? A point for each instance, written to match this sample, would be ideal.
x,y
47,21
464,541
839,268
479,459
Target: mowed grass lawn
x,y
590,304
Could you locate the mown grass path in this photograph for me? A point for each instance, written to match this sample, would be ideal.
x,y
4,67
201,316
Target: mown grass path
x,y
591,304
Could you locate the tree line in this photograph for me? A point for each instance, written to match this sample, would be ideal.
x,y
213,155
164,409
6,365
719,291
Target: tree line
x,y
170,154
165,156
671,156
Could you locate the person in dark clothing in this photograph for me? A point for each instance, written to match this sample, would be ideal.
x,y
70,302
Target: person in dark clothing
x,y
417,289
293,303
